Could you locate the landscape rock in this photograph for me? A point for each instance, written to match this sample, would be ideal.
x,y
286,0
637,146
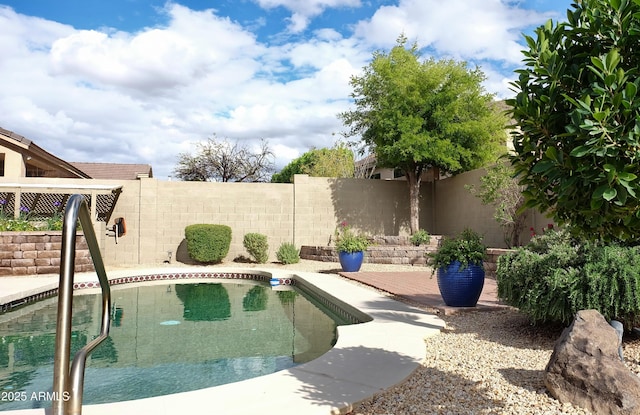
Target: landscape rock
x,y
585,368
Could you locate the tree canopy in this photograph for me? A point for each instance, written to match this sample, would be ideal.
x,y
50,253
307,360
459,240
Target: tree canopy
x,y
417,114
224,161
578,112
319,162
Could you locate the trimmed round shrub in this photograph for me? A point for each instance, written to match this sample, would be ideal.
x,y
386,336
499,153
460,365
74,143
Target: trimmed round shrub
x,y
556,276
257,246
288,253
208,243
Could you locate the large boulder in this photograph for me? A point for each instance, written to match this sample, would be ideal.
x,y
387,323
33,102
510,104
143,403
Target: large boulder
x,y
585,368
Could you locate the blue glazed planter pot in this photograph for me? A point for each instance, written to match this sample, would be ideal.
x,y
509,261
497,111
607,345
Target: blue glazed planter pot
x,y
460,288
351,262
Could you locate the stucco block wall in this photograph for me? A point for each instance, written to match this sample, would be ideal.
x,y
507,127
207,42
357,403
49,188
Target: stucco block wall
x,y
376,207
457,208
306,212
166,208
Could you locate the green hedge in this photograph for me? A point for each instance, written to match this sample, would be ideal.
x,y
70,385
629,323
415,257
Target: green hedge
x,y
208,243
555,276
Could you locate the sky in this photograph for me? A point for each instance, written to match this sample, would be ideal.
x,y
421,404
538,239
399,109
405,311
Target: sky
x,y
141,81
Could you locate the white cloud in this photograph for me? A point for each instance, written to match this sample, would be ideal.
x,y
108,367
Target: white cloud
x,y
145,97
461,29
304,10
194,45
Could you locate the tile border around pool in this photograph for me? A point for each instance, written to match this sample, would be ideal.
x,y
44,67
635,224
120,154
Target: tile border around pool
x,y
171,276
367,358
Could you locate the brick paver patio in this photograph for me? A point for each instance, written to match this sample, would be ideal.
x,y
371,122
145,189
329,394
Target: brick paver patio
x,y
422,288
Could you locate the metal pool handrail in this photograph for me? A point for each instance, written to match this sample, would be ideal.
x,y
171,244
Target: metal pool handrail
x,y
68,384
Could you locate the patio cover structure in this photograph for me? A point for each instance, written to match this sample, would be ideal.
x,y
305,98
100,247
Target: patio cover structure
x,y
45,200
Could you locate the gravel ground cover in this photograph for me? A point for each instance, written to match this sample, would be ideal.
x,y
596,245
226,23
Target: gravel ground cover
x,y
484,363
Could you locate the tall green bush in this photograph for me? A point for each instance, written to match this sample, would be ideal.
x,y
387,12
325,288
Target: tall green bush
x,y
257,246
208,243
555,276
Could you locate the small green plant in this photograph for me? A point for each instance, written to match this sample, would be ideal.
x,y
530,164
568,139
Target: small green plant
x,y
26,222
208,243
420,237
257,246
54,222
349,241
466,248
288,253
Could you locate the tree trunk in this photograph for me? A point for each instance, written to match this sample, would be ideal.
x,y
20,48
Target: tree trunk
x,y
413,179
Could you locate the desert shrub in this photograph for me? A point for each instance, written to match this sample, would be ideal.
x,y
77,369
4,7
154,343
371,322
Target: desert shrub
x,y
555,276
420,237
257,246
288,253
208,243
611,283
551,239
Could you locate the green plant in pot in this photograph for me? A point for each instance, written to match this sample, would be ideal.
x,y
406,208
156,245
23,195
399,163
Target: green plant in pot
x,y
350,246
459,266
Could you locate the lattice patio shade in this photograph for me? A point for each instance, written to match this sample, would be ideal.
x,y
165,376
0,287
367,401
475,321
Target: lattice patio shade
x,y
43,201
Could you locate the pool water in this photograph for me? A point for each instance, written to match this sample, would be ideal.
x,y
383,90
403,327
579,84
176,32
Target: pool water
x,y
164,339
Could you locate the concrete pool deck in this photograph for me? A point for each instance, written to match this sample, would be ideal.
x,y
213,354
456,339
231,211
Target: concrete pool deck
x,y
367,358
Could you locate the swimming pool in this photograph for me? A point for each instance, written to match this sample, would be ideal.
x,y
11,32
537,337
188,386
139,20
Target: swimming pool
x,y
366,359
168,338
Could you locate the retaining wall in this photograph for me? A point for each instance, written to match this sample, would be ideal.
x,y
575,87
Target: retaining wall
x,y
29,253
491,263
386,250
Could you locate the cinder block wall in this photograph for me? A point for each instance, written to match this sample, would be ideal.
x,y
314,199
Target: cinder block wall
x,y
157,212
456,209
306,212
376,207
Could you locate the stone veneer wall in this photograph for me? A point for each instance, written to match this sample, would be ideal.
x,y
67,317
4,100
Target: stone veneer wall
x,y
491,263
29,253
386,250
398,254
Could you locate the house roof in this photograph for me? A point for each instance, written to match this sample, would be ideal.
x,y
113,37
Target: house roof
x,y
22,145
115,171
80,170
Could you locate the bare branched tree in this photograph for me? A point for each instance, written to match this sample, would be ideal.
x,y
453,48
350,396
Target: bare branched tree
x,y
224,161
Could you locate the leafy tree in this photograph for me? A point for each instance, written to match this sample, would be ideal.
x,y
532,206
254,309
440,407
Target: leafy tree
x,y
322,162
224,161
415,115
501,190
578,112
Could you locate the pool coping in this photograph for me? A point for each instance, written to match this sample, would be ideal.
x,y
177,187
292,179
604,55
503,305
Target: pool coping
x,y
367,359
